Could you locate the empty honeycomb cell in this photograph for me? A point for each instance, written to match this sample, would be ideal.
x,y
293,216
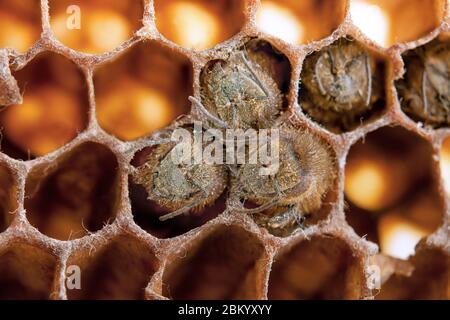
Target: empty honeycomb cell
x,y
147,212
54,108
199,24
227,264
424,91
323,267
95,26
75,195
343,85
390,21
26,272
142,91
391,191
20,24
8,200
299,22
430,279
120,270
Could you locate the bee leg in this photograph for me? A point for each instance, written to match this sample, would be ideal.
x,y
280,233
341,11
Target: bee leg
x,y
318,77
252,72
369,81
208,114
333,61
275,201
261,208
299,218
424,92
276,186
212,118
288,219
194,203
281,221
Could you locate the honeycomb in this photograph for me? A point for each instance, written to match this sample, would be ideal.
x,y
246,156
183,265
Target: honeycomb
x,y
84,102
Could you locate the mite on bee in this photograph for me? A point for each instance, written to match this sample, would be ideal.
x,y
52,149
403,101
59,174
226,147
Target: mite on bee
x,y
239,93
179,186
296,189
338,84
425,89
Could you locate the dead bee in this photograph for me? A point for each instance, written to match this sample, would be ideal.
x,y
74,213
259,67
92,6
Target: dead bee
x,y
239,93
425,89
177,185
338,84
305,173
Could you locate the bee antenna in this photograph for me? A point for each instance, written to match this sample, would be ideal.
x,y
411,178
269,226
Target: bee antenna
x,y
318,77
